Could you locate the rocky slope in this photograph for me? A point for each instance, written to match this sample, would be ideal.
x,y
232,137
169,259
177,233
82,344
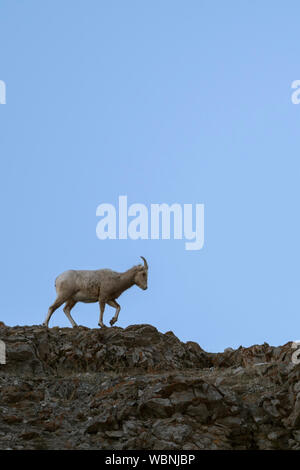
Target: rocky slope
x,y
136,388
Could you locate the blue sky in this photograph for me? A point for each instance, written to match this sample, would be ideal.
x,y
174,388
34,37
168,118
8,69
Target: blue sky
x,y
165,102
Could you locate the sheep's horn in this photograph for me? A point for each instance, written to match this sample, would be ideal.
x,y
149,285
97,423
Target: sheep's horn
x,y
145,262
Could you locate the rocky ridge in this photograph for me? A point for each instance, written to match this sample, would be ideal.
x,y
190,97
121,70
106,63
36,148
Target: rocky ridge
x,y
136,388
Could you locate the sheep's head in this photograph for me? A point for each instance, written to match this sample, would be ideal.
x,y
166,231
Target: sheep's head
x,y
141,277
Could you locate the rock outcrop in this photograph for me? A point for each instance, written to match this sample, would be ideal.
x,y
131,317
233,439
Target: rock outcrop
x,y
136,388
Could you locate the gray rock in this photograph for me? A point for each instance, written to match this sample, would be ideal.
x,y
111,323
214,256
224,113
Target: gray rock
x,y
137,388
170,432
156,408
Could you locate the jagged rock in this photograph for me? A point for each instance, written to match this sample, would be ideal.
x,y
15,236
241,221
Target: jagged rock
x,y
136,388
81,349
156,407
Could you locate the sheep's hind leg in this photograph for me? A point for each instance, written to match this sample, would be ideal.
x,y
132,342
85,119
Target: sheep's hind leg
x,y
67,308
58,302
102,307
114,304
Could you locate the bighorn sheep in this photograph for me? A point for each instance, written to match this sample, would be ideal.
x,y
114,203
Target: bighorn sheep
x,y
103,286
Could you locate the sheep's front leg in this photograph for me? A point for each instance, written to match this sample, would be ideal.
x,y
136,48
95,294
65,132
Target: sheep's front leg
x,y
102,307
115,304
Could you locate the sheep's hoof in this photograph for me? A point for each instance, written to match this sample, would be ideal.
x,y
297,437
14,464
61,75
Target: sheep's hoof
x,y
102,326
112,322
